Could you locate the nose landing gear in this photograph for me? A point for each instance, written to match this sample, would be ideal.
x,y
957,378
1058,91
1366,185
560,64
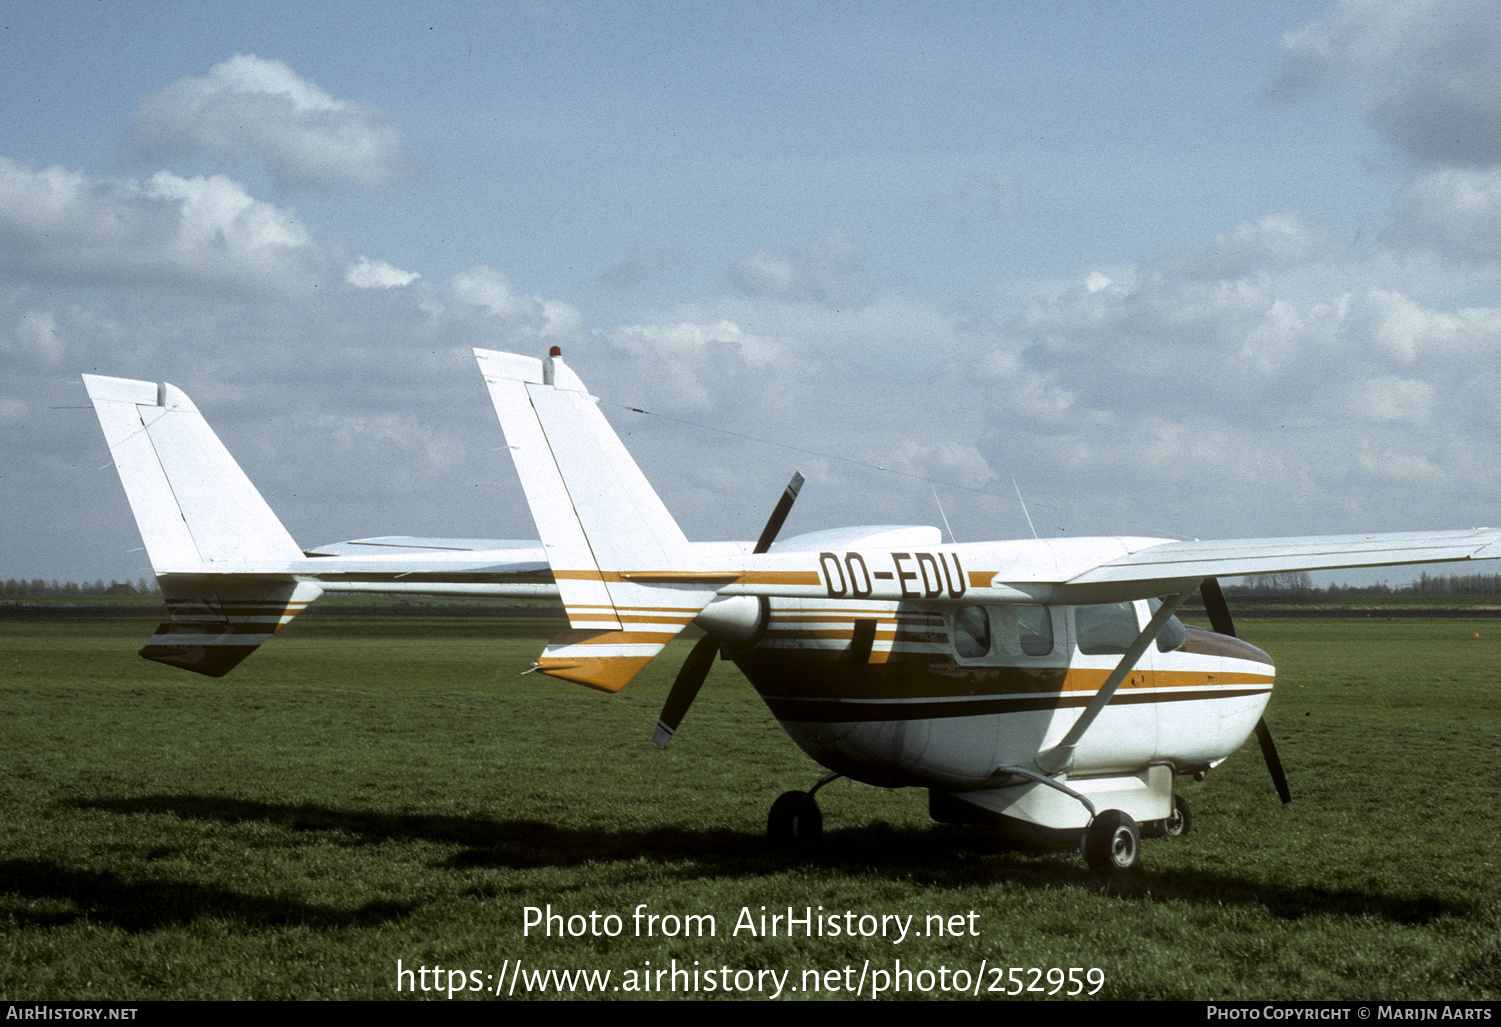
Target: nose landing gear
x,y
795,818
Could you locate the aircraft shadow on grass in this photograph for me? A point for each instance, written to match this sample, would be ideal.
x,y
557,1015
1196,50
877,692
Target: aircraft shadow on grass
x,y
941,856
146,905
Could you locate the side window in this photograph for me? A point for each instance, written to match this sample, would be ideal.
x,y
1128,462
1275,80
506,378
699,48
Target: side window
x,y
1024,630
1036,630
971,631
1105,629
1174,634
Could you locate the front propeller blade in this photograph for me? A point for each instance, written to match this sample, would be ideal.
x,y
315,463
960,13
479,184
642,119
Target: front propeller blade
x,y
696,667
685,689
1220,620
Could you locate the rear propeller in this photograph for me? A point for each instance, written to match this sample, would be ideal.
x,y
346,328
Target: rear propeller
x,y
696,667
1223,624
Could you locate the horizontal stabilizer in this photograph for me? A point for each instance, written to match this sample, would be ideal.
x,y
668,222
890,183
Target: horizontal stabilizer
x,y
388,545
218,620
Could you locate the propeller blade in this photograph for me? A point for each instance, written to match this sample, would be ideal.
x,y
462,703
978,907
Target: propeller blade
x,y
779,515
1216,608
1220,620
696,667
685,689
1269,752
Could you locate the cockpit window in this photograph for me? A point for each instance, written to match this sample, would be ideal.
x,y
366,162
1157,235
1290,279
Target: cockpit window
x,y
971,631
1105,629
1174,634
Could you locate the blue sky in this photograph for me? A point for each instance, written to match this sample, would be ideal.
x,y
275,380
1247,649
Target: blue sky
x,y
1181,271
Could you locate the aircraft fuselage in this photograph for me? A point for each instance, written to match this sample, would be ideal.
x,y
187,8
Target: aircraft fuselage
x,y
899,694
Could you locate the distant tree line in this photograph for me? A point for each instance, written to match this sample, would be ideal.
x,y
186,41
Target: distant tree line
x,y
1298,583
42,587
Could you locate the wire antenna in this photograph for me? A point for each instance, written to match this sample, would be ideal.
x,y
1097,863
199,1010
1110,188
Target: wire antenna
x,y
1023,502
940,510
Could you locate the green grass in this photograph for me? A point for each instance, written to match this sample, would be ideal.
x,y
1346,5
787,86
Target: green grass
x,y
374,788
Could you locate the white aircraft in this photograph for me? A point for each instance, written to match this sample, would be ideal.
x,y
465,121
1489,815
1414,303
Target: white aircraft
x,y
1041,686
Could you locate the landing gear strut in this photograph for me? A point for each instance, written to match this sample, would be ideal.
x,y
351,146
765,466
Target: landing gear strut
x,y
1181,821
795,818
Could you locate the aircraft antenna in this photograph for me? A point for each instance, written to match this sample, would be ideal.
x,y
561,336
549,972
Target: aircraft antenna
x,y
940,510
1023,502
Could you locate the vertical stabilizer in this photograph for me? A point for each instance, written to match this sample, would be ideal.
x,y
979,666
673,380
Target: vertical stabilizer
x,y
191,501
601,523
203,524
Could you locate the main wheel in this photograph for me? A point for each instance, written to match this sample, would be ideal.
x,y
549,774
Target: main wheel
x,y
1112,842
795,819
1181,822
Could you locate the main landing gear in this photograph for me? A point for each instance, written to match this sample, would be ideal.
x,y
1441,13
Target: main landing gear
x,y
795,818
1112,841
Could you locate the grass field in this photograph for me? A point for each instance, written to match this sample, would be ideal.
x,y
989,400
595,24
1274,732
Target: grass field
x,y
369,789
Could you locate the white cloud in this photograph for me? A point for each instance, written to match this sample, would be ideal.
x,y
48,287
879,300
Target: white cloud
x,y
951,461
217,213
1409,330
691,358
1389,398
694,340
380,435
208,230
1272,243
1396,465
377,274
1427,73
490,290
1454,209
827,272
248,106
1029,393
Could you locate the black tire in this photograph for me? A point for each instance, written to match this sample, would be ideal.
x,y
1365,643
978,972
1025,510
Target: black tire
x,y
795,819
1112,843
1181,822
1178,824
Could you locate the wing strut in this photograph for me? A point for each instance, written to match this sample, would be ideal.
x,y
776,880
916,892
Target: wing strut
x,y
1055,759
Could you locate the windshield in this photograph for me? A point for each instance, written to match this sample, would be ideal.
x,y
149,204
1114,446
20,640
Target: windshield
x,y
1174,634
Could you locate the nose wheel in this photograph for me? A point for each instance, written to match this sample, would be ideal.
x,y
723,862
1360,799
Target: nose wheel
x,y
795,818
1178,823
